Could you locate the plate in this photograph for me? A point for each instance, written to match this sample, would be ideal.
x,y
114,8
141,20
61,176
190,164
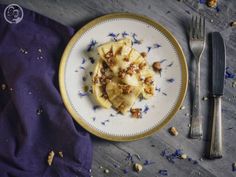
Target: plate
x,y
79,59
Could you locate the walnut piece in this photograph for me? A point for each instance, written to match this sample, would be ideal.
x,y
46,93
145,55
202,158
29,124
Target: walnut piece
x,y
122,73
143,54
138,167
126,89
148,90
142,65
212,3
50,157
173,131
156,66
136,112
148,80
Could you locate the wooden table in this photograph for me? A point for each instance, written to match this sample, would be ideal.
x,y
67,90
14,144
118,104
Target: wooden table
x,y
175,15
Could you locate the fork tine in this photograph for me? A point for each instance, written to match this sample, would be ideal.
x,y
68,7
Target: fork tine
x,y
191,29
203,26
195,27
200,30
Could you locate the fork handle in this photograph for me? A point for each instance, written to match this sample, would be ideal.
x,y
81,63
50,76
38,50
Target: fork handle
x,y
196,122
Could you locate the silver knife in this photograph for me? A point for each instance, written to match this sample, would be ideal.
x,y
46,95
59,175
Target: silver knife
x,y
218,74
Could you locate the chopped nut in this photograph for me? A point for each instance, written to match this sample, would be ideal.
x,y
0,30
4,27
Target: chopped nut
x,y
126,89
130,70
109,54
121,73
3,86
233,24
156,66
106,171
212,3
149,90
148,80
234,84
138,167
173,131
60,154
136,112
143,54
95,79
50,157
142,65
126,59
183,156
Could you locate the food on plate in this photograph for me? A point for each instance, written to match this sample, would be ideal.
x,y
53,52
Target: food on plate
x,y
121,76
156,66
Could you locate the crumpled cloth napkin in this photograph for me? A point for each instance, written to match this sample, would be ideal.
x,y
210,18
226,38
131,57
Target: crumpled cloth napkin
x,y
33,119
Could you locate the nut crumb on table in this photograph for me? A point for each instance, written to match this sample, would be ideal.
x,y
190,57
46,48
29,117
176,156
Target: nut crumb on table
x,y
50,157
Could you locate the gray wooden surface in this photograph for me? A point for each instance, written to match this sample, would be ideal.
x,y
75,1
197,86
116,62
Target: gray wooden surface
x,y
175,15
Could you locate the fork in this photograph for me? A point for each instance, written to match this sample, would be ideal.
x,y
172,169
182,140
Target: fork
x,y
197,44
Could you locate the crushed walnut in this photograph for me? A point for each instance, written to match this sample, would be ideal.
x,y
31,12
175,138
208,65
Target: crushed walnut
x,y
110,58
108,54
143,54
136,112
212,3
138,167
142,65
130,70
156,66
122,73
126,89
95,79
173,131
126,59
50,157
148,80
148,90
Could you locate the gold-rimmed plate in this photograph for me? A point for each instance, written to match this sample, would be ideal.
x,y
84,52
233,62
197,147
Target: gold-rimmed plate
x,y
76,69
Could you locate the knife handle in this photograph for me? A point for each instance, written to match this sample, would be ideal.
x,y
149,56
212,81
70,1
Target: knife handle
x,y
216,136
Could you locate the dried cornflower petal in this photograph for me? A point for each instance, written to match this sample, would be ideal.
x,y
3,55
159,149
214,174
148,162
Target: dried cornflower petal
x,y
212,3
50,157
138,167
173,131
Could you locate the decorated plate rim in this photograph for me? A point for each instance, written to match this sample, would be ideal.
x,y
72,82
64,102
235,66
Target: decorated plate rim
x,y
93,23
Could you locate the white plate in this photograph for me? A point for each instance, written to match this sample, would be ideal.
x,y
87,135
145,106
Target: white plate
x,y
76,66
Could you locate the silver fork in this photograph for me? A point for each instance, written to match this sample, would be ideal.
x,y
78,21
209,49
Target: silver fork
x,y
197,44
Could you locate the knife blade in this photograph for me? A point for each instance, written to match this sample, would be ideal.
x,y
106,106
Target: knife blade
x,y
218,64
218,74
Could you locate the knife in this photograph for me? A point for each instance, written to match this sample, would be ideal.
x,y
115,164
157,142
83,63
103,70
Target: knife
x,y
218,74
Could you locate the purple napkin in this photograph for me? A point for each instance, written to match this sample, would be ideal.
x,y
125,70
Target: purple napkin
x,y
33,119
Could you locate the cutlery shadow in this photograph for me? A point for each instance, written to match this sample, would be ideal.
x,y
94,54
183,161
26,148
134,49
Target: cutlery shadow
x,y
208,121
